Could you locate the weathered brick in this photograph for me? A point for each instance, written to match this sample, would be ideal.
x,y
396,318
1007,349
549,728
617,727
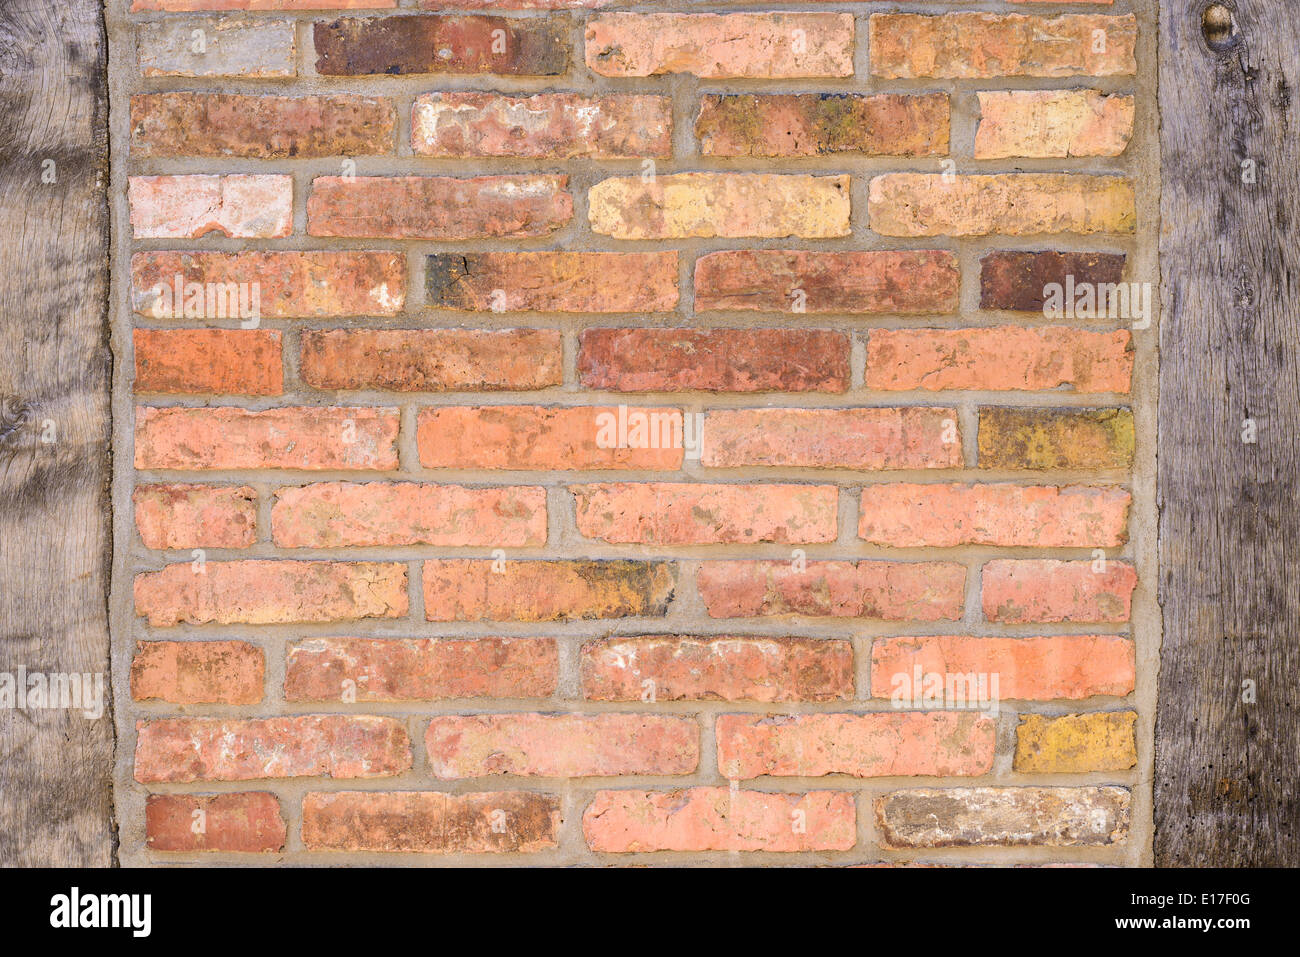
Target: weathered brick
x,y
438,207
227,46
187,207
430,822
371,514
309,438
217,361
551,126
1003,817
401,44
1000,358
1014,204
1030,669
729,205
977,45
863,439
719,46
216,749
857,283
265,127
1030,590
562,746
943,516
187,5
1053,123
195,516
247,821
681,513
879,744
431,360
726,668
714,360
270,592
552,439
1015,280
553,282
420,669
198,672
563,590
282,285
719,819
886,591
1056,438
1076,743
817,124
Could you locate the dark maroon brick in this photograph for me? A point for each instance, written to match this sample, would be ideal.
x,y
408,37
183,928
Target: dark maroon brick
x,y
442,44
1015,280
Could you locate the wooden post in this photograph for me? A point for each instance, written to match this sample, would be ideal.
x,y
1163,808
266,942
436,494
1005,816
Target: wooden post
x,y
55,764
1228,724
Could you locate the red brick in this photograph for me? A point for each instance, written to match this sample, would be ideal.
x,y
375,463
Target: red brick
x,y
719,819
270,592
551,126
430,822
1032,516
1015,280
1047,590
887,591
876,745
196,516
1000,358
310,438
562,746
187,207
218,749
714,360
542,438
187,5
718,46
287,285
856,283
248,822
198,672
862,439
216,361
402,44
704,668
431,360
420,669
438,207
338,514
678,513
1028,669
985,45
553,282
567,590
818,124
261,127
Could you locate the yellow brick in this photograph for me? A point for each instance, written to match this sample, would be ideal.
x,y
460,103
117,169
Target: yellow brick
x,y
1076,743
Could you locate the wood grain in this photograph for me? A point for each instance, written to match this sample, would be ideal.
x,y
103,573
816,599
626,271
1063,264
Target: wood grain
x,y
1229,523
55,765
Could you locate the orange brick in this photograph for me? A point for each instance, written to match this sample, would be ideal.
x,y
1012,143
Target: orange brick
x,y
553,282
337,514
679,513
561,746
196,516
270,592
198,672
420,669
217,361
1046,590
248,822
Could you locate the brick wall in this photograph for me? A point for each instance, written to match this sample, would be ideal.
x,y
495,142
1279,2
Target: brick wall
x,y
563,430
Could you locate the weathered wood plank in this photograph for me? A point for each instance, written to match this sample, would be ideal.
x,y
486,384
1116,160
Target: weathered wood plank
x,y
1225,790
55,765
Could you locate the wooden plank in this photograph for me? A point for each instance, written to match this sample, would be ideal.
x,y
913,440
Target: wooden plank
x,y
1225,779
55,544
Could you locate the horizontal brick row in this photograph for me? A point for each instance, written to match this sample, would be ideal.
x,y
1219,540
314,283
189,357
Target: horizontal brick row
x,y
648,668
